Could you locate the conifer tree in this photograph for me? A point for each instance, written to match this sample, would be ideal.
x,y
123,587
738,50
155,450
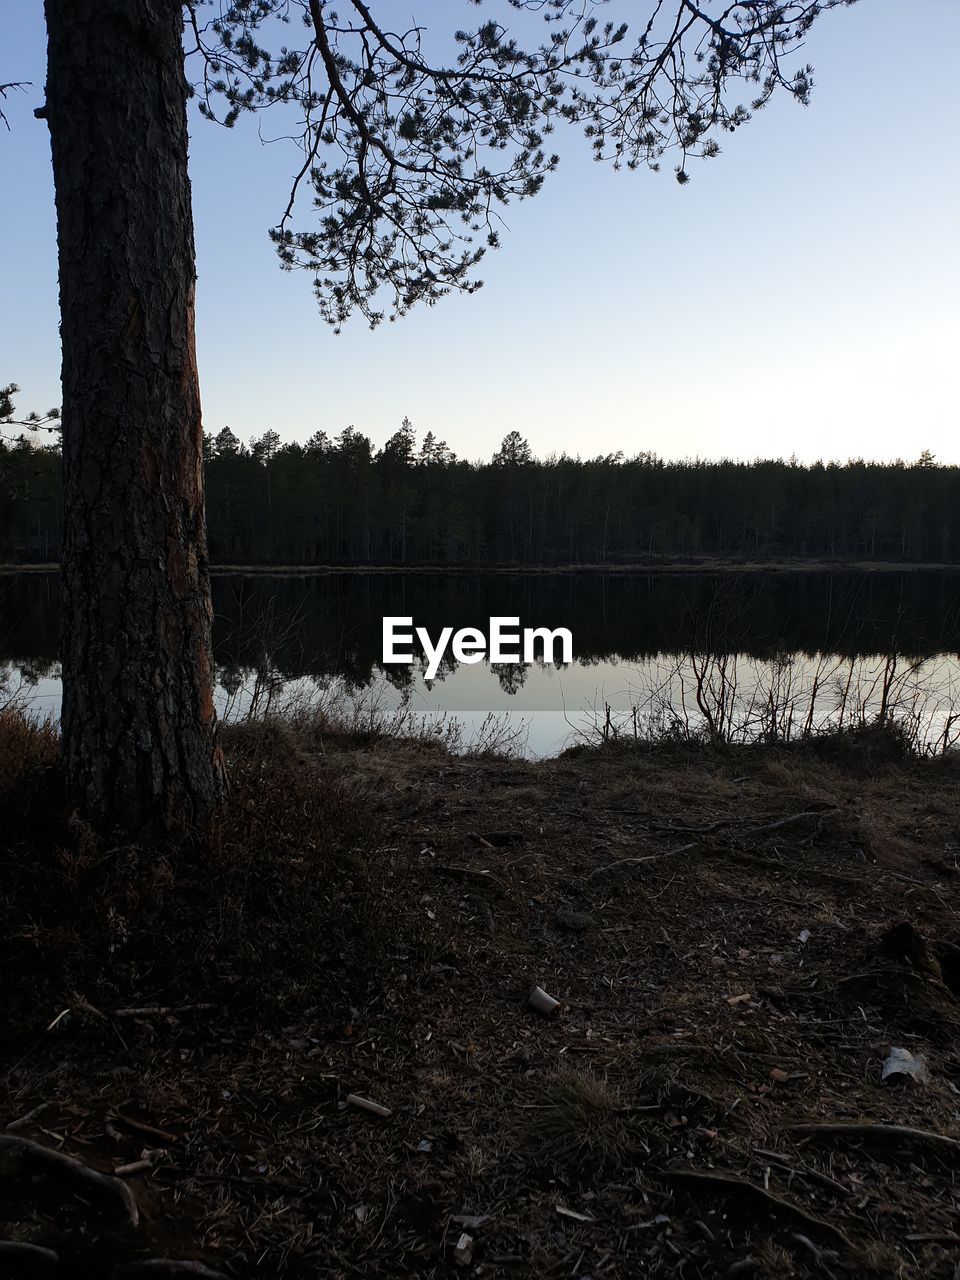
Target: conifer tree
x,y
410,143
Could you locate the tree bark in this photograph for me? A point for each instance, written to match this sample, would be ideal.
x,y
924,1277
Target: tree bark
x,y
139,729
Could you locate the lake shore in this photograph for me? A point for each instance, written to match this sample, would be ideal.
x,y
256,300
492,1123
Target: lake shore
x,y
705,566
715,924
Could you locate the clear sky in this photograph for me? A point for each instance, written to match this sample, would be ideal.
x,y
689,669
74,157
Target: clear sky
x,y
799,295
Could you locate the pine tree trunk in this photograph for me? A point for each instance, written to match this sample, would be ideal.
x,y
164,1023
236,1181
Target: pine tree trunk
x,y
139,729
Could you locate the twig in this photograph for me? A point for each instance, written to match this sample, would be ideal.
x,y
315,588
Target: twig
x,y
159,1010
146,1161
813,1175
26,1118
483,843
458,872
698,831
83,1004
354,1100
653,857
160,1134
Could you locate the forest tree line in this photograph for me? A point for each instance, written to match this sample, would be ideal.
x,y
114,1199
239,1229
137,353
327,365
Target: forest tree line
x,y
342,501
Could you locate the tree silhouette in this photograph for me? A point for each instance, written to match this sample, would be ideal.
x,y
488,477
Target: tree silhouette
x,y
514,451
343,502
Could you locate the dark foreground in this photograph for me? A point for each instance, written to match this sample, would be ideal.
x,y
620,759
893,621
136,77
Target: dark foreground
x,y
370,922
650,564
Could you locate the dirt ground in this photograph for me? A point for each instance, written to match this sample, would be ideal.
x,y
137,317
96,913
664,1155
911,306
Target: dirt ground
x,y
720,931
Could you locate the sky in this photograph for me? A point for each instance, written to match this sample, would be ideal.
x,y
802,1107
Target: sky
x,y
797,297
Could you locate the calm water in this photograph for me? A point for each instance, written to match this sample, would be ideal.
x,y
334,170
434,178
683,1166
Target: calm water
x,y
748,654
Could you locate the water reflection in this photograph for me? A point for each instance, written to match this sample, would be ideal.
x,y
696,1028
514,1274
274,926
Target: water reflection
x,y
738,656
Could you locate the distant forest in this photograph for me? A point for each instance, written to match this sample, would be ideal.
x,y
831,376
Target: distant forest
x,y
341,501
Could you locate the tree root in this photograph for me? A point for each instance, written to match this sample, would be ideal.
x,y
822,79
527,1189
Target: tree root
x,y
892,1134
19,1261
21,1159
729,1186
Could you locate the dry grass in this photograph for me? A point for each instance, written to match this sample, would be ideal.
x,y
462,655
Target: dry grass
x,y
126,925
27,749
580,1119
337,717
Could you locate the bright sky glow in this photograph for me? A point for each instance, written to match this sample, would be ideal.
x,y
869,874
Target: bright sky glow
x,y
799,295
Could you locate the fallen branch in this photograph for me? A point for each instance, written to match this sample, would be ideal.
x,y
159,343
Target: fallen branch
x,y
365,1104
160,1010
138,1126
20,1159
782,822
705,830
894,1134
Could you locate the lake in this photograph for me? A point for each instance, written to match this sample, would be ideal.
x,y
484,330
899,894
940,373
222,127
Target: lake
x,y
739,655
